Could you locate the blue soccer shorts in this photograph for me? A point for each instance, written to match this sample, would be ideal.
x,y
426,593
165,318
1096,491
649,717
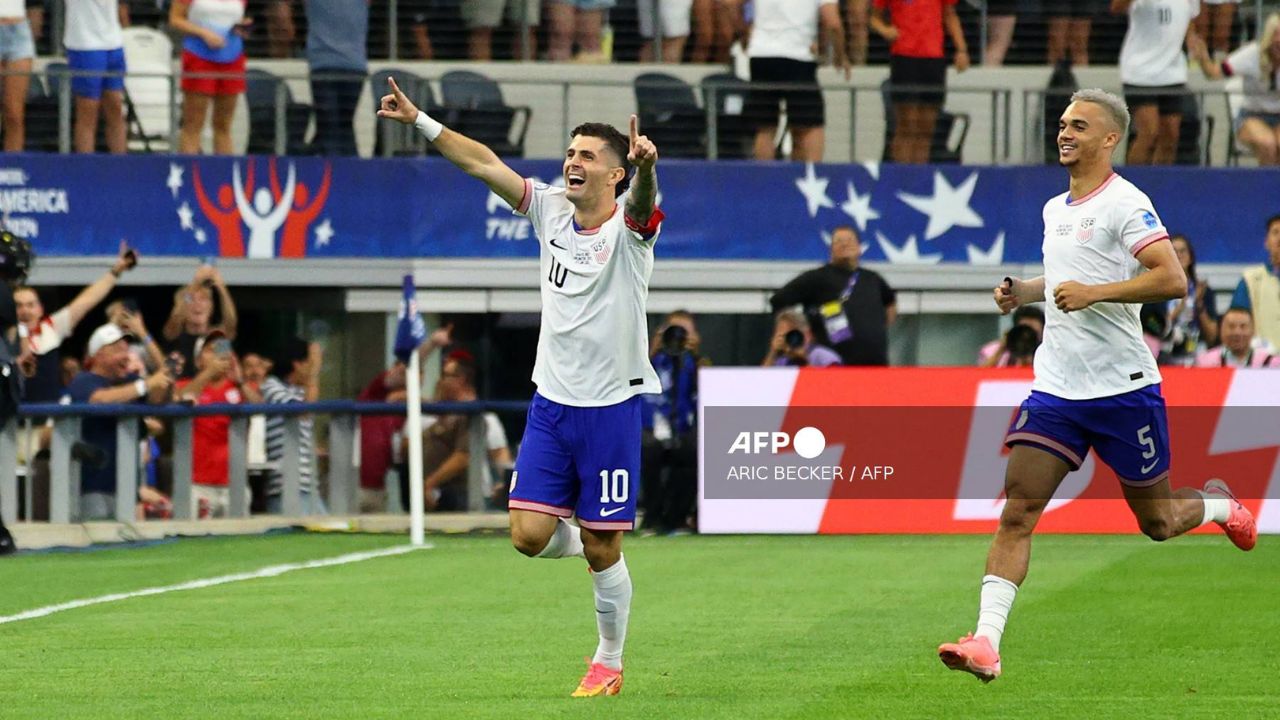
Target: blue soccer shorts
x,y
582,461
1130,432
103,61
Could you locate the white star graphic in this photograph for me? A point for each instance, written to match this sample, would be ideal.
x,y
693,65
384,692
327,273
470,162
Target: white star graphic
x,y
493,203
908,254
185,215
324,233
948,207
175,179
992,256
872,167
826,239
814,190
859,208
200,236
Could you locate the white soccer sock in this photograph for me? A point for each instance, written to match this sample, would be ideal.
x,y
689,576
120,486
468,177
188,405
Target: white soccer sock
x,y
613,607
565,542
993,611
1217,508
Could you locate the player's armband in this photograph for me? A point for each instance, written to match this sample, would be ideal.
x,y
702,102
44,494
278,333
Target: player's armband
x,y
649,229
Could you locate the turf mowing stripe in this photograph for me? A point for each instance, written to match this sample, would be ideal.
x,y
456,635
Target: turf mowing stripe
x,y
266,572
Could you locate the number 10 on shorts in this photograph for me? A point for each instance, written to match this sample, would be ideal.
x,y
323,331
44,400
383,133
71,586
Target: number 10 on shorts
x,y
615,486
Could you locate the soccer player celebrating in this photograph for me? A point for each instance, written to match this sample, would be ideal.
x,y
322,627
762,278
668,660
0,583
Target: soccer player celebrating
x,y
1096,383
581,449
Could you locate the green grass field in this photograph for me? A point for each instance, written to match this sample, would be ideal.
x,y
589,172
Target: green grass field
x,y
721,627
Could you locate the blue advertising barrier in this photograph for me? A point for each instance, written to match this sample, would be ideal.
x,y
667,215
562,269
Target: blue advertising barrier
x,y
261,207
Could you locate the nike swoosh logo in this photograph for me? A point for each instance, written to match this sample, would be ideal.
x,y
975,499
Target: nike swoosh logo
x,y
553,244
1147,469
614,511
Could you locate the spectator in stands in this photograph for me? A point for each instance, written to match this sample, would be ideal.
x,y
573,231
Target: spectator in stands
x,y
17,48
214,43
918,68
1259,289
1070,22
255,368
482,16
1257,127
108,381
856,12
1214,25
1002,18
793,344
1153,69
716,24
851,306
130,320
580,22
1016,348
95,43
192,315
275,18
420,34
1191,323
379,433
218,380
674,18
669,449
338,60
45,333
296,380
787,38
1239,347
446,451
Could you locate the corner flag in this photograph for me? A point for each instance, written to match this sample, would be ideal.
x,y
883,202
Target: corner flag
x,y
411,331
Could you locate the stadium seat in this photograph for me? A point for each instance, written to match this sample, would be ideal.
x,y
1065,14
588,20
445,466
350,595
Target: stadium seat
x,y
1235,103
1196,135
260,95
42,114
393,138
669,114
476,109
148,54
735,134
941,149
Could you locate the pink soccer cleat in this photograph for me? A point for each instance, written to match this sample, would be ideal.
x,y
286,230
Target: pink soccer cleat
x,y
1240,527
973,655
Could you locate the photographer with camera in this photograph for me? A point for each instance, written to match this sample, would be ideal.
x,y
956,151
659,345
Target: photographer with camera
x,y
851,307
192,315
669,446
793,344
15,360
1017,347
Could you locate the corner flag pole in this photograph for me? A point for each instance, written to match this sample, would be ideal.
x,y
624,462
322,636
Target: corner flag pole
x,y
414,428
410,334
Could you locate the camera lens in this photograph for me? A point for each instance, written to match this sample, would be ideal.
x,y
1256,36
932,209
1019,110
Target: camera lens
x,y
794,339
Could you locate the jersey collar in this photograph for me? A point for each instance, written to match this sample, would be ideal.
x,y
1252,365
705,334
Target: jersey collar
x,y
1093,193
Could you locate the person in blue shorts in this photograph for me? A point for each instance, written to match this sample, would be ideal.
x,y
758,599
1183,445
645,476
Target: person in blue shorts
x,y
581,450
95,55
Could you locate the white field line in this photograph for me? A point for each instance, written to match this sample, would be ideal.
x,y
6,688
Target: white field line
x,y
266,572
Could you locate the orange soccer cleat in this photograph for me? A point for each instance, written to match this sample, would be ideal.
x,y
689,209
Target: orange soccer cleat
x,y
1240,527
972,655
600,680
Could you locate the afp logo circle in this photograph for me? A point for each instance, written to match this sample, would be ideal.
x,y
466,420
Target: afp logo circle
x,y
808,442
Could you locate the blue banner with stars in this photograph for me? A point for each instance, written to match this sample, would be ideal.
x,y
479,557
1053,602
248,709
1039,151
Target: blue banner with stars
x,y
286,208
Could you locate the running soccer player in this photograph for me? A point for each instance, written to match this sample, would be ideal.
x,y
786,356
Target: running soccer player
x,y
1096,383
581,449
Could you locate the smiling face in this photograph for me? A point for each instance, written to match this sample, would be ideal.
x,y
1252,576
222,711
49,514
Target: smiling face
x,y
591,171
1086,135
1237,331
113,361
29,308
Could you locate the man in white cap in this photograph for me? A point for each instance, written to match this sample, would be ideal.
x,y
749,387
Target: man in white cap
x,y
107,380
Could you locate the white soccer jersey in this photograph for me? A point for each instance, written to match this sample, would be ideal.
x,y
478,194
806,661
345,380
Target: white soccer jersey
x,y
1151,55
593,344
1096,352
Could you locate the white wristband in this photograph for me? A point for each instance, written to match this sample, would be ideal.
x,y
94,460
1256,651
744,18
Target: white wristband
x,y
140,386
428,126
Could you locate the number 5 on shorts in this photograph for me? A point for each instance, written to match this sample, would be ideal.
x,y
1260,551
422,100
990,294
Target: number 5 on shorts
x,y
614,487
1149,443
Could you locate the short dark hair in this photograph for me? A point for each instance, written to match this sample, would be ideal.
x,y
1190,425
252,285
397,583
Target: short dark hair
x,y
1028,312
1191,250
618,143
1237,308
291,350
1270,221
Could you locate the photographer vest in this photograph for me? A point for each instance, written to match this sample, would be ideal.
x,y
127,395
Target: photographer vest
x,y
1264,296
